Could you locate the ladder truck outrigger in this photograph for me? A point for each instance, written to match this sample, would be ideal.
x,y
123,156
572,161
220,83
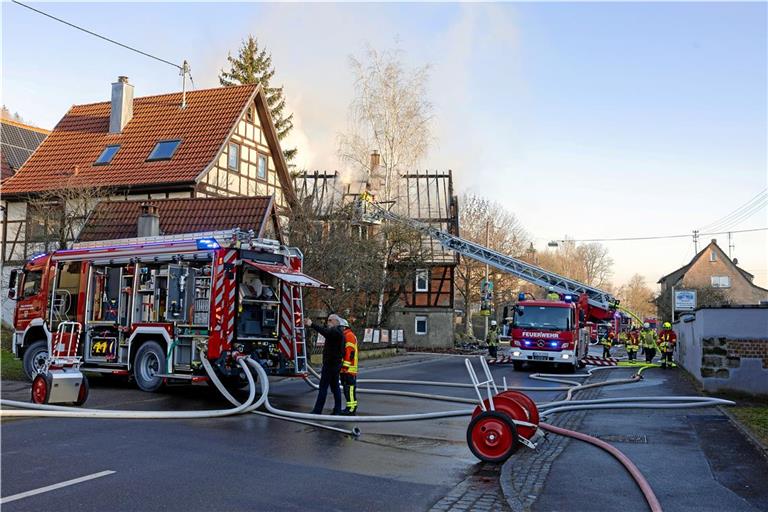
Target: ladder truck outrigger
x,y
149,307
542,331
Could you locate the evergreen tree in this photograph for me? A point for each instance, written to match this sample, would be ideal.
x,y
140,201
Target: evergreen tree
x,y
253,65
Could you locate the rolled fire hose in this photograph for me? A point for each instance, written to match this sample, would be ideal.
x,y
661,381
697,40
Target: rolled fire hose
x,y
26,409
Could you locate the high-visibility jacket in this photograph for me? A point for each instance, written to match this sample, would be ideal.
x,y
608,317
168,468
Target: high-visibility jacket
x,y
349,359
667,340
553,296
633,344
493,338
607,341
648,338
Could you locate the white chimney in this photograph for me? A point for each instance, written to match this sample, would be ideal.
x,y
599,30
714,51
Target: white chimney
x,y
149,221
122,105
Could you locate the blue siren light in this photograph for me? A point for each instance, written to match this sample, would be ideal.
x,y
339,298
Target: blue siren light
x,y
207,244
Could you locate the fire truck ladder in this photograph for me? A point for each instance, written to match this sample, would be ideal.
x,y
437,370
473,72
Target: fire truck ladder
x,y
300,347
518,268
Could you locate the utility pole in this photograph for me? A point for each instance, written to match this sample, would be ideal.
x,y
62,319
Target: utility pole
x,y
487,241
696,241
730,245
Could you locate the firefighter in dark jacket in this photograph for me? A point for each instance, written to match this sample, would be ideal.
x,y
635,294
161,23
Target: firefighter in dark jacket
x,y
607,343
332,354
349,369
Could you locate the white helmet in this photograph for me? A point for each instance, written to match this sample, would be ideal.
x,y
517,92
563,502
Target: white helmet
x,y
551,288
493,322
646,325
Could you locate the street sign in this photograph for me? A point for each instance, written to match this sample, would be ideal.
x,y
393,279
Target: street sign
x,y
685,300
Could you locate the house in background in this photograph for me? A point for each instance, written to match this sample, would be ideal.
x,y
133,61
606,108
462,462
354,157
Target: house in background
x,y
425,309
17,142
712,267
206,143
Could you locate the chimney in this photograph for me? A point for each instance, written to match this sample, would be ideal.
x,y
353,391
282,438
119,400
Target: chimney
x,y
714,240
122,105
375,161
735,261
149,221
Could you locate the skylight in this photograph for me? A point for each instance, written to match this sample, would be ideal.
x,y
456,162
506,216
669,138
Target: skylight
x,y
164,150
107,155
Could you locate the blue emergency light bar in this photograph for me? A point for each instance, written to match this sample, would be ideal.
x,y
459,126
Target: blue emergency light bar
x,y
204,244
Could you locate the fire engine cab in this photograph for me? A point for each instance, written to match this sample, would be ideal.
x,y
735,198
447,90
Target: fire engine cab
x,y
150,306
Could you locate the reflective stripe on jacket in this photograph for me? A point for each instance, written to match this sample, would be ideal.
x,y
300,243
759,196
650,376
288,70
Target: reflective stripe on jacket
x,y
648,338
349,360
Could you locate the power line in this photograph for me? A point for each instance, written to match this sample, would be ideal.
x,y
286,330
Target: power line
x,y
760,198
662,237
744,215
98,35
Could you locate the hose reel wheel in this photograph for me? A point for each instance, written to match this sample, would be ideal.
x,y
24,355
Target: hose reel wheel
x,y
516,408
492,436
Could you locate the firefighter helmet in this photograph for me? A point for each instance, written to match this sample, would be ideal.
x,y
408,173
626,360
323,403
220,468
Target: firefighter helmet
x,y
667,325
647,325
493,322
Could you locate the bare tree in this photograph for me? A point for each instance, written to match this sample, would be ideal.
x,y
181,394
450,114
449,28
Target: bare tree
x,y
637,296
56,216
389,112
479,217
587,263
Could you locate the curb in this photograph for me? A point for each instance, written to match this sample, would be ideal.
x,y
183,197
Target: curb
x,y
763,449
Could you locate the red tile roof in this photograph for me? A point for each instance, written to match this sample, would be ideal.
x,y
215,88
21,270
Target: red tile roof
x,y
83,133
118,219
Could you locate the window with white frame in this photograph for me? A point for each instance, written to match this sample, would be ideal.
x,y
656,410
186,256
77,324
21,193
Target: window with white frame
x,y
422,280
712,256
421,325
233,160
721,282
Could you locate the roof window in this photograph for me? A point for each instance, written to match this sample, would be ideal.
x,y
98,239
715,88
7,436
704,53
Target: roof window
x,y
107,155
164,150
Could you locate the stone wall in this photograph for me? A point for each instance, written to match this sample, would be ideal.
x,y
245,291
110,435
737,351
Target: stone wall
x,y
440,324
726,348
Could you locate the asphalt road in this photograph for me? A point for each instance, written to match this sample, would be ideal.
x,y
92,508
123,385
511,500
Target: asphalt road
x,y
245,462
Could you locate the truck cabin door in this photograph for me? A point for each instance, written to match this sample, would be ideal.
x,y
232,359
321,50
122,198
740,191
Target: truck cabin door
x,y
31,299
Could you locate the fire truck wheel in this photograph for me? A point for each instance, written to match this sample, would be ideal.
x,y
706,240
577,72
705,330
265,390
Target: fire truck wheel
x,y
517,365
34,358
82,396
41,389
150,361
492,436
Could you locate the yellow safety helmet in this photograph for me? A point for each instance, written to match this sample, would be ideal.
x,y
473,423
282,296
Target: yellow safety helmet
x,y
667,325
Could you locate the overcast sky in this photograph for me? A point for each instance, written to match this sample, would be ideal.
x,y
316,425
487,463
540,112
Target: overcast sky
x,y
587,120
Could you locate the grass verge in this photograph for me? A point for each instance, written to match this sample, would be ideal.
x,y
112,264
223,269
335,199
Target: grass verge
x,y
755,418
10,368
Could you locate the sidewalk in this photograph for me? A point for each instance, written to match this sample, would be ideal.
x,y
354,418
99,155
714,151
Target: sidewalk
x,y
694,459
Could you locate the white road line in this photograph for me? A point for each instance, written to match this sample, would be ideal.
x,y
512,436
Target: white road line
x,y
53,487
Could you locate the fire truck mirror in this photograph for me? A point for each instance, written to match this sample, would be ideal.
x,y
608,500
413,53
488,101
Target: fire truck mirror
x,y
12,284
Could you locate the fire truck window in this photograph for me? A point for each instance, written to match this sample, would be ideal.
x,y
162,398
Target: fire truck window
x,y
67,292
32,284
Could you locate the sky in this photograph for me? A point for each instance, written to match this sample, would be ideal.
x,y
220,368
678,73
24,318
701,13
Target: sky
x,y
586,120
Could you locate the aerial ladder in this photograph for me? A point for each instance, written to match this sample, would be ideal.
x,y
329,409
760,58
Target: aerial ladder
x,y
598,299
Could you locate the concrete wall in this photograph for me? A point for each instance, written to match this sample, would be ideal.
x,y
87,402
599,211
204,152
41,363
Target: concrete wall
x,y
726,348
439,326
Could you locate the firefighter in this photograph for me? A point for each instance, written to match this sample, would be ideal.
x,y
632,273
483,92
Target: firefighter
x,y
648,342
633,344
552,294
667,342
607,342
332,355
349,369
493,339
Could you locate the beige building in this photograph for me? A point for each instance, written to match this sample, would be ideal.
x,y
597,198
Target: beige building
x,y
712,267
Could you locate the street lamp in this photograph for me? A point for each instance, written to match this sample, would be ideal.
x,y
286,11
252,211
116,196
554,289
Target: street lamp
x,y
553,243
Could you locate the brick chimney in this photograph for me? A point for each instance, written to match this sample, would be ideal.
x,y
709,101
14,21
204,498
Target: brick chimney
x,y
149,221
121,110
375,161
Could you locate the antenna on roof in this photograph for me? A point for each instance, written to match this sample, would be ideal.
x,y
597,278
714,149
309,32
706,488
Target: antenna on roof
x,y
184,72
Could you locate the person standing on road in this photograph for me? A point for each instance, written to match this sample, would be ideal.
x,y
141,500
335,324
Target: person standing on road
x,y
648,342
607,343
493,340
633,344
667,342
332,354
349,369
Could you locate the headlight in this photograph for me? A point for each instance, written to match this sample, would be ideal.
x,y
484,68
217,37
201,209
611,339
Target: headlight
x,y
566,356
516,353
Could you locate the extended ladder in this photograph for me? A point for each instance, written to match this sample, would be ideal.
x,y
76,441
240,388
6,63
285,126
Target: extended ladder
x,y
514,266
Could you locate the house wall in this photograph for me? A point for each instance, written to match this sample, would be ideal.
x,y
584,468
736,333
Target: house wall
x,y
726,349
439,326
440,293
741,291
244,179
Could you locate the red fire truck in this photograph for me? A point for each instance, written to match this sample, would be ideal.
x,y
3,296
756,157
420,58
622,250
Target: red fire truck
x,y
150,306
555,332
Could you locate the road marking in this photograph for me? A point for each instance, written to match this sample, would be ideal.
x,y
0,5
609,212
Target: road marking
x,y
53,487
